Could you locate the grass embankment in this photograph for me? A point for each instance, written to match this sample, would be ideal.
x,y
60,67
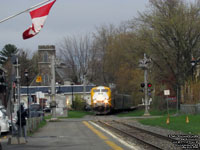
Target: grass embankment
x,y
176,123
131,113
153,112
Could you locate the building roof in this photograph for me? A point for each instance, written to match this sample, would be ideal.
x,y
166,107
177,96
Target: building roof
x,y
62,72
66,89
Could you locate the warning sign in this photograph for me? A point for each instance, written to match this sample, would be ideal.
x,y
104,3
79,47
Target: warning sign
x,y
39,79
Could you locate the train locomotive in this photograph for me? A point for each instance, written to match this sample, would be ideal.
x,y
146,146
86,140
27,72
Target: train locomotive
x,y
101,99
104,101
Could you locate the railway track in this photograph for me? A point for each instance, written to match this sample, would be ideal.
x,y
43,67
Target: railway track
x,y
147,138
146,131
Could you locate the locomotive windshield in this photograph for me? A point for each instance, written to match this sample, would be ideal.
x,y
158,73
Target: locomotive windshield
x,y
104,90
96,90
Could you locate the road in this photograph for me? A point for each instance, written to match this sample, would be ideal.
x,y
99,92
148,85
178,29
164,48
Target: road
x,y
70,135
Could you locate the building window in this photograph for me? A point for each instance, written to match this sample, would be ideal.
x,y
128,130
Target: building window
x,y
45,79
45,57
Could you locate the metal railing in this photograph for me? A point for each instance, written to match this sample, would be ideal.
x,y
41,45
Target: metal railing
x,y
33,123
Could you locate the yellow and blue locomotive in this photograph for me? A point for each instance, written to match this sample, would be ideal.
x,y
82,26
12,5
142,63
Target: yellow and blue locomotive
x,y
103,101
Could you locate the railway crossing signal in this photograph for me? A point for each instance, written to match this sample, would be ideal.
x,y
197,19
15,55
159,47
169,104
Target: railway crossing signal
x,y
149,85
144,64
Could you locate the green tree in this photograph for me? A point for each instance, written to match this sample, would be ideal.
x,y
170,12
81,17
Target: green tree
x,y
121,64
7,51
171,29
102,39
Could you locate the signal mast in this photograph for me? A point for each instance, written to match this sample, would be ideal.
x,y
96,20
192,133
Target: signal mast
x,y
144,64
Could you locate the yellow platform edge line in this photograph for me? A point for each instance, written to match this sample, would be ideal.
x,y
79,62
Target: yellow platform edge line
x,y
102,136
113,145
95,131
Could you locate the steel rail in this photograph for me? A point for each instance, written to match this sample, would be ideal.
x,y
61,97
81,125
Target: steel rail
x,y
130,135
146,131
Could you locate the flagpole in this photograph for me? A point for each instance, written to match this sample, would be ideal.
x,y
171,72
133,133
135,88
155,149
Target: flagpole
x,y
24,11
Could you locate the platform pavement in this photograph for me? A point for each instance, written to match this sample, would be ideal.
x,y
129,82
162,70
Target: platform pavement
x,y
62,135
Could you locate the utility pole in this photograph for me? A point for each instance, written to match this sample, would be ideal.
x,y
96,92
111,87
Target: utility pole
x,y
144,64
84,86
11,101
53,84
18,96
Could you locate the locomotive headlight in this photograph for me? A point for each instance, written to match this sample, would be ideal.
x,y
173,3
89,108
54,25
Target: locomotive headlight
x,y
106,101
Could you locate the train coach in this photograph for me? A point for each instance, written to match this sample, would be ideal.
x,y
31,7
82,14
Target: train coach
x,y
104,101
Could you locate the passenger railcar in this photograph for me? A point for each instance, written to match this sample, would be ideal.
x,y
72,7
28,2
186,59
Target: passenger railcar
x,y
103,101
121,102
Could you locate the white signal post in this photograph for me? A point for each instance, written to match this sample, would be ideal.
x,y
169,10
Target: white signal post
x,y
144,64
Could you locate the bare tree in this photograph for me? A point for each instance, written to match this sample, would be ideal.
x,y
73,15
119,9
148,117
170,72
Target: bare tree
x,y
77,55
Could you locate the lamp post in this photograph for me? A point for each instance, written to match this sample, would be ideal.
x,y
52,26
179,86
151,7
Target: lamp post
x,y
72,95
193,63
16,63
26,76
58,90
59,83
28,100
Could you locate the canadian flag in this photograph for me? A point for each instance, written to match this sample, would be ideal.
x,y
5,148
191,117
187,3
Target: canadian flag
x,y
38,17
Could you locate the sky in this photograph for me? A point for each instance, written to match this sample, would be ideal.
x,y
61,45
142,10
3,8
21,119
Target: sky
x,y
66,18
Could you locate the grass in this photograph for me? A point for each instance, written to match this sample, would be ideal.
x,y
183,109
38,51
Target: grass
x,y
47,117
177,123
131,113
140,112
76,114
155,112
42,124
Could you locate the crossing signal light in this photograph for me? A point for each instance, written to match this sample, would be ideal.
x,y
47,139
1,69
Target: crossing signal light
x,y
149,85
142,85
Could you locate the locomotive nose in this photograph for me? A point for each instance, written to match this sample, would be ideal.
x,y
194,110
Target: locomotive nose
x,y
100,97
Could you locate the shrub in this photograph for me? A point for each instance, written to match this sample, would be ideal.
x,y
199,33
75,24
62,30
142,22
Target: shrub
x,y
79,103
